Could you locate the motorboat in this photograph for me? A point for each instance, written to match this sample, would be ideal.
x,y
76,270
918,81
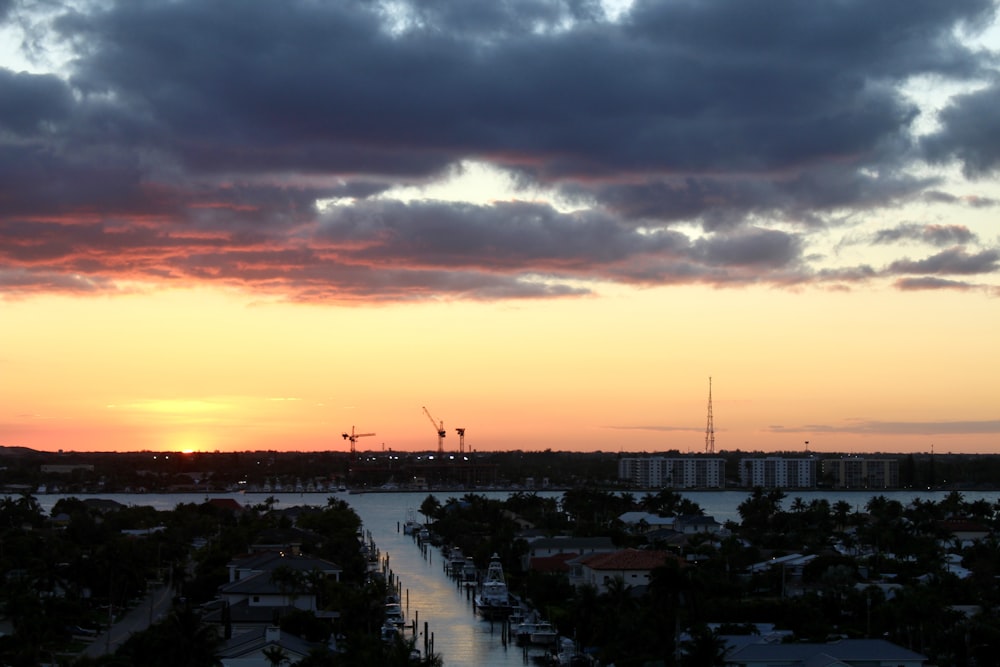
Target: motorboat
x,y
470,573
456,561
394,615
493,600
411,526
543,634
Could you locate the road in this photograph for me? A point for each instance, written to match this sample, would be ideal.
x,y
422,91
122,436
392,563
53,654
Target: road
x,y
152,608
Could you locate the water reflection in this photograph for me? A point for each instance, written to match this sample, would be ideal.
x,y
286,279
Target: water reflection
x,y
459,636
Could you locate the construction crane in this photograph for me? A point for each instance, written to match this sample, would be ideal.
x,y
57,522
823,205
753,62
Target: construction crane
x,y
461,440
439,427
353,437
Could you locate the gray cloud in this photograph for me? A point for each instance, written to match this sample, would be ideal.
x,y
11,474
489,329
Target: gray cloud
x,y
190,140
925,283
973,201
874,427
951,261
970,132
938,235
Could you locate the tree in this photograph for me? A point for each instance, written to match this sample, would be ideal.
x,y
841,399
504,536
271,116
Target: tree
x,y
275,655
705,648
430,507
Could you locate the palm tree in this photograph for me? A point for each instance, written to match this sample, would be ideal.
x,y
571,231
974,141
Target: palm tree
x,y
705,648
275,655
841,510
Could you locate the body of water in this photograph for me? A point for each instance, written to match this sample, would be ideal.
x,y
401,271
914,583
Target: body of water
x,y
429,595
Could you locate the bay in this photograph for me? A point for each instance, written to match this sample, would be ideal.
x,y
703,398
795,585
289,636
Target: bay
x,y
430,597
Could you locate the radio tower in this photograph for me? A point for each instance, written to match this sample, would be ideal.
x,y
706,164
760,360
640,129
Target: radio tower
x,y
710,426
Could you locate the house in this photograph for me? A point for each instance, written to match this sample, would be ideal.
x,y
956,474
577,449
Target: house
x,y
644,521
634,567
251,649
266,561
265,586
842,653
548,547
690,524
792,568
963,531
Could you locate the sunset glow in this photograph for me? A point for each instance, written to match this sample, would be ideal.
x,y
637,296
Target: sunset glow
x,y
258,247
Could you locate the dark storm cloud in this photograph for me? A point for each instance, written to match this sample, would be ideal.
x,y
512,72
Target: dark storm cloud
x,y
970,132
28,101
190,139
502,236
951,261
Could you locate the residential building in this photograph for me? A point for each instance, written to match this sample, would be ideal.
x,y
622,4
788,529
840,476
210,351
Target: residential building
x,y
249,648
634,567
660,472
855,472
776,472
842,653
266,585
561,547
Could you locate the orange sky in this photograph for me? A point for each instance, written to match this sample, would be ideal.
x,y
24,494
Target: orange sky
x,y
214,235
207,370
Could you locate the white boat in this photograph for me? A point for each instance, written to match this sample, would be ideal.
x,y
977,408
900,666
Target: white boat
x,y
394,615
411,526
544,634
469,574
456,561
521,628
493,600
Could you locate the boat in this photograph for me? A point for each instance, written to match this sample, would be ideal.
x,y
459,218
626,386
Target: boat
x,y
456,561
493,600
394,614
522,626
389,632
469,574
411,526
543,634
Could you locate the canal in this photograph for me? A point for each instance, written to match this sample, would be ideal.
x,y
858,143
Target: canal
x,y
459,636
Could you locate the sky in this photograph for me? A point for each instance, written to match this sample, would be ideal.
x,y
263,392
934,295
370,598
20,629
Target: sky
x,y
556,224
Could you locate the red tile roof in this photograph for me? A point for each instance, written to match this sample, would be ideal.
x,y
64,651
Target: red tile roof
x,y
628,559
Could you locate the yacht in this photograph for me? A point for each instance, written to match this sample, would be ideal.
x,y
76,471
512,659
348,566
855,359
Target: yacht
x,y
493,600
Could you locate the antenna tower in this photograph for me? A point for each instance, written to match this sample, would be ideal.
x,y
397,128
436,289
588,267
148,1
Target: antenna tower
x,y
710,426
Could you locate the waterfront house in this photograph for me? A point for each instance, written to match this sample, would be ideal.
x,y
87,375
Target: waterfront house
x,y
634,567
542,549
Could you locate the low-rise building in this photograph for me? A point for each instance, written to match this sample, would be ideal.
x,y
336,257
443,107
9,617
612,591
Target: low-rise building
x,y
660,472
843,653
633,567
776,472
855,472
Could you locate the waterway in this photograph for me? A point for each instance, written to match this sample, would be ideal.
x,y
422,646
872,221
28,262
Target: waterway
x,y
428,595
